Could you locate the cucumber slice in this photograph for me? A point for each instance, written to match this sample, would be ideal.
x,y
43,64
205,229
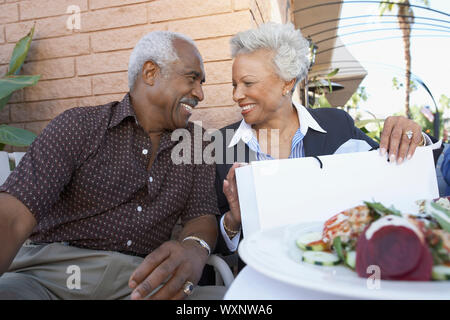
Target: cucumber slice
x,y
440,272
350,259
320,258
304,240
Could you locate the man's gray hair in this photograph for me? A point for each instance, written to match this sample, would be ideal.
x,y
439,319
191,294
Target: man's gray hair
x,y
156,46
291,49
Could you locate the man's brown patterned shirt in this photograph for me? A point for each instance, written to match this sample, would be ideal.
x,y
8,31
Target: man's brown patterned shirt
x,y
85,180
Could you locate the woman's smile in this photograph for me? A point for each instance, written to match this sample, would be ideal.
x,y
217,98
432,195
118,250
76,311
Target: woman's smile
x,y
247,108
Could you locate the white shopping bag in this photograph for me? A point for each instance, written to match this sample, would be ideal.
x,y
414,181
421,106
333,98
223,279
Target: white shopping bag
x,y
281,192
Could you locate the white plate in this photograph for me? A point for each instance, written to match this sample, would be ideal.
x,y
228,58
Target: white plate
x,y
274,253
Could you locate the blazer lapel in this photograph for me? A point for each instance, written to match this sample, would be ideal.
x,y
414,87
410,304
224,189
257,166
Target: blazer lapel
x,y
314,142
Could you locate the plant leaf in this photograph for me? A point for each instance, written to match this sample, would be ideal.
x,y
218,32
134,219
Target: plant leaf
x,y
20,53
10,84
15,136
333,73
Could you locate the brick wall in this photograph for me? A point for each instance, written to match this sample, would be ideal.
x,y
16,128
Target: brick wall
x,y
89,66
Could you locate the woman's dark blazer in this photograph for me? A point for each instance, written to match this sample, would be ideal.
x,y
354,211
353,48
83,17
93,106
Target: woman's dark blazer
x,y
339,126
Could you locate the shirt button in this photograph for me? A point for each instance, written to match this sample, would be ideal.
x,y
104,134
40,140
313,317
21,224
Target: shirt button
x,y
139,208
129,243
150,179
145,151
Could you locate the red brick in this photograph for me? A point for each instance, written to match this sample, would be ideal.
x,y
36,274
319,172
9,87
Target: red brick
x,y
218,72
98,4
4,114
47,8
36,127
217,117
103,62
9,13
3,70
217,95
45,28
47,110
2,34
178,9
214,49
99,100
6,51
74,45
123,38
57,89
51,69
242,4
17,96
110,83
113,18
35,111
213,26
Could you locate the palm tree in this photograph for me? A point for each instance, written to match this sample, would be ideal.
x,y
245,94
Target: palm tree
x,y
405,17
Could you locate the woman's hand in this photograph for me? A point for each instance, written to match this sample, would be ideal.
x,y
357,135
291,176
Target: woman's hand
x,y
232,217
395,141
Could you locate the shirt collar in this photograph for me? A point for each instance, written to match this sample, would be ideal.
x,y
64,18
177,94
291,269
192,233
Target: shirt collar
x,y
245,131
122,110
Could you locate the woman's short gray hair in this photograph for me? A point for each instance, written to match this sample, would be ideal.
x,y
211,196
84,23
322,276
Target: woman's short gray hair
x,y
156,46
291,48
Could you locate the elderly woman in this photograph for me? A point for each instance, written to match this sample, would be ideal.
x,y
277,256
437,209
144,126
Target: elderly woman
x,y
268,63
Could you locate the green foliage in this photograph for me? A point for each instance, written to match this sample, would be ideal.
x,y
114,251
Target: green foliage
x,y
425,123
385,5
9,84
399,85
389,5
371,127
12,82
16,136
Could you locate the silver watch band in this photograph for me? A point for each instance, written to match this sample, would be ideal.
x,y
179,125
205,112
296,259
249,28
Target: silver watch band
x,y
202,242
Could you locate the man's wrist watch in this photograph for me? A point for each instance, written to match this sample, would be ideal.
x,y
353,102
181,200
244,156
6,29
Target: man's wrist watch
x,y
201,242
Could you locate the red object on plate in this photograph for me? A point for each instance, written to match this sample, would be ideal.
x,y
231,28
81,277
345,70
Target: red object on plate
x,y
398,252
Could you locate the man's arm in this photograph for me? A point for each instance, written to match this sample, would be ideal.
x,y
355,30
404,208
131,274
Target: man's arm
x,y
16,224
182,260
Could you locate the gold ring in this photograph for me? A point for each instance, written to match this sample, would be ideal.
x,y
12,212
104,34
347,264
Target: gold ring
x,y
188,288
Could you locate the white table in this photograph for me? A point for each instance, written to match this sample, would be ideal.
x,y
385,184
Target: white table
x,y
252,285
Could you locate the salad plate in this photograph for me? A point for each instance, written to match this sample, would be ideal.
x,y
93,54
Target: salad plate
x,y
274,253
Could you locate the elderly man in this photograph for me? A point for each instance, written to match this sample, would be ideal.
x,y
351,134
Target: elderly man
x,y
98,191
